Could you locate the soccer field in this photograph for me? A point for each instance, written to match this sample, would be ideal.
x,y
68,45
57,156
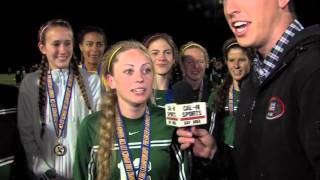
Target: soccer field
x,y
7,79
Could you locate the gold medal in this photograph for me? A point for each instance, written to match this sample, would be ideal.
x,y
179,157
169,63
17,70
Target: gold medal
x,y
60,150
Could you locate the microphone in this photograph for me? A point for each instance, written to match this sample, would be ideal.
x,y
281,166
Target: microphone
x,y
184,112
182,92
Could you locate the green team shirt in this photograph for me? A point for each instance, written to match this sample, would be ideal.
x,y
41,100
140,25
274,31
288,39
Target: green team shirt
x,y
160,160
161,97
229,121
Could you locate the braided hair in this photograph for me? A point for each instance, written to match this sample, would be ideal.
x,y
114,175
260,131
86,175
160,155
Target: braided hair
x,y
108,115
44,68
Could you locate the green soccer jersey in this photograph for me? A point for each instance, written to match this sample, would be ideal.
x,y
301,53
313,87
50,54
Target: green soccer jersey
x,y
229,120
159,166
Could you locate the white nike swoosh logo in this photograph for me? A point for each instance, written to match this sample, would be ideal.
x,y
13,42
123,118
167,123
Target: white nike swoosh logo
x,y
158,98
132,133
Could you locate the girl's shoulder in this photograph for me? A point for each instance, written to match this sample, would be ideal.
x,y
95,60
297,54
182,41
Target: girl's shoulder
x,y
91,120
30,82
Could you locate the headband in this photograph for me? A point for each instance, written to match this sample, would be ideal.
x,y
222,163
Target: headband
x,y
111,57
192,44
230,45
42,30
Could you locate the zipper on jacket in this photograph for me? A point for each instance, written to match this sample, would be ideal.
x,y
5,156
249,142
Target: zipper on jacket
x,y
251,110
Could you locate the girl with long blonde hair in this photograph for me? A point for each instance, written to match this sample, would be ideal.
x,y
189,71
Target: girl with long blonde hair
x,y
128,139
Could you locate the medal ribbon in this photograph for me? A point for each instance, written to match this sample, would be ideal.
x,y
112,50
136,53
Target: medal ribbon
x,y
125,150
200,91
169,95
59,119
231,100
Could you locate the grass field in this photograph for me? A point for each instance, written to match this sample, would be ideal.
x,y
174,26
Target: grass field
x,y
7,79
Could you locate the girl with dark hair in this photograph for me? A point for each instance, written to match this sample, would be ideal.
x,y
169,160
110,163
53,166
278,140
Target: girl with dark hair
x,y
92,43
52,101
223,101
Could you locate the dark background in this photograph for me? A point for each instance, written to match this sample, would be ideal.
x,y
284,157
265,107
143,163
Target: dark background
x,y
201,21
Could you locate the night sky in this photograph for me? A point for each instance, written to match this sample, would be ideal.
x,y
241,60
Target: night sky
x,y
201,21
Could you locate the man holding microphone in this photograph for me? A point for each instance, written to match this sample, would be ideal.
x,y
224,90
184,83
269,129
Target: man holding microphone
x,y
278,121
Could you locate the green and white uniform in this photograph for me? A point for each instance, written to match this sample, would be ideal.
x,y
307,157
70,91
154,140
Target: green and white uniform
x,y
162,164
229,120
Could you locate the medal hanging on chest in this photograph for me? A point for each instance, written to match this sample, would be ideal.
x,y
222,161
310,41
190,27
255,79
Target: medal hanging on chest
x,y
60,149
59,119
125,150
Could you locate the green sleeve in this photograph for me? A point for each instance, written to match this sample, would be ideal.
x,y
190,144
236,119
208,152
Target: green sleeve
x,y
84,148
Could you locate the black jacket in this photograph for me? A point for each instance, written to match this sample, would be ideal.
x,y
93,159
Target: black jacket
x,y
278,122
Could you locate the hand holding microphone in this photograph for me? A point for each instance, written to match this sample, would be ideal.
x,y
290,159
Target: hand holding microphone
x,y
202,143
187,114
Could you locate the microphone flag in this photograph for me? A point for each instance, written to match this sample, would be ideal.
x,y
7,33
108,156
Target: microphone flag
x,y
183,115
